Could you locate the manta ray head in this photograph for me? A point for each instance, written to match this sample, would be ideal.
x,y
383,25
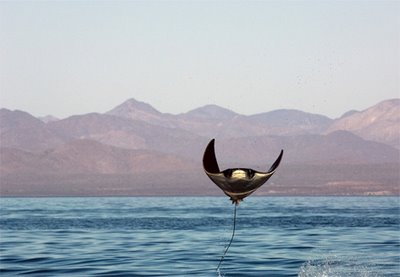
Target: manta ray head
x,y
239,173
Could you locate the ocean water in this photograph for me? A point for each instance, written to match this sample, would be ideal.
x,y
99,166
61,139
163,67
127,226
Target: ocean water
x,y
186,236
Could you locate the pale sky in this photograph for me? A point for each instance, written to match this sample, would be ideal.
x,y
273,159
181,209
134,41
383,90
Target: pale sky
x,y
75,57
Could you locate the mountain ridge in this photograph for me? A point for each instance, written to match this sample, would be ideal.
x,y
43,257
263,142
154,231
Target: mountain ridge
x,y
136,144
380,122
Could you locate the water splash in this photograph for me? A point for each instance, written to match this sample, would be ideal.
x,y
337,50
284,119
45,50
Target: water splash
x,y
334,266
220,274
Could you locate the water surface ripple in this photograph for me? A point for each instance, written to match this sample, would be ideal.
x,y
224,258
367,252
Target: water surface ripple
x,y
185,236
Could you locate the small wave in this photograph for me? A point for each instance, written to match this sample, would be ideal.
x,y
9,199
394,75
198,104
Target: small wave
x,y
334,266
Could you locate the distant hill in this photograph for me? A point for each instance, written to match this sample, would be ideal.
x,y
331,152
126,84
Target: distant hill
x,y
126,133
379,123
340,147
137,110
135,149
89,157
216,121
21,130
48,118
289,122
210,112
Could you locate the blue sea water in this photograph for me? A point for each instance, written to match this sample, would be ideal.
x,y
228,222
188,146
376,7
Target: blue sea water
x,y
186,236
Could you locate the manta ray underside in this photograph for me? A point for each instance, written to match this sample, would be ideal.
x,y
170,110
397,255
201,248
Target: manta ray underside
x,y
237,183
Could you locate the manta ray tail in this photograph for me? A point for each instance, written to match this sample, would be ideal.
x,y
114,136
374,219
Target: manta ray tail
x,y
230,242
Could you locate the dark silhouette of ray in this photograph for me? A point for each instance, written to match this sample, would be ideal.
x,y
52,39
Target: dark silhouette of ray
x,y
237,183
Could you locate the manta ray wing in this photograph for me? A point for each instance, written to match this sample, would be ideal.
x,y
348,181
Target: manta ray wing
x,y
210,163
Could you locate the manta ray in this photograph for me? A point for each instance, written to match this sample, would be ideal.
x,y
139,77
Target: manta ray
x,y
237,183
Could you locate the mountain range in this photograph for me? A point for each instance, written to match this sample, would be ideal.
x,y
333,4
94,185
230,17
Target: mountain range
x,y
134,149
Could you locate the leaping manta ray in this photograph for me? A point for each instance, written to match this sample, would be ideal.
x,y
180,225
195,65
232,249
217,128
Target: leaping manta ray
x,y
237,183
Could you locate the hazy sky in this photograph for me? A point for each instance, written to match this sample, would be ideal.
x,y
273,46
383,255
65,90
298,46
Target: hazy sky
x,y
76,57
